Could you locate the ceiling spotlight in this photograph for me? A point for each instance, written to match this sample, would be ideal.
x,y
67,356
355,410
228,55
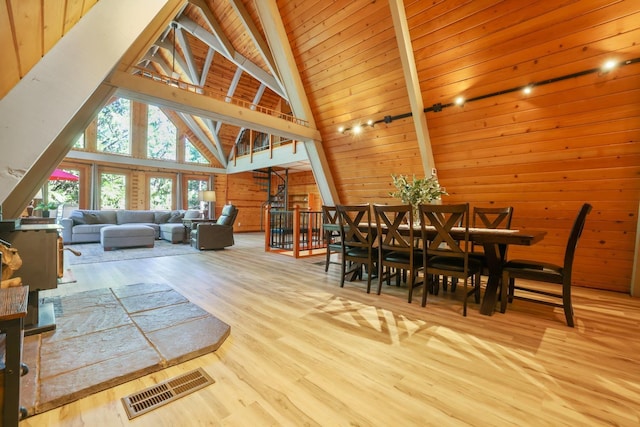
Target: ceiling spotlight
x,y
527,89
357,129
341,129
609,65
459,100
369,122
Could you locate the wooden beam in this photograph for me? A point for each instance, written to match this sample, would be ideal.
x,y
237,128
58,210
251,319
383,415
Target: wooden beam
x,y
151,92
286,64
248,66
412,82
132,162
225,45
259,42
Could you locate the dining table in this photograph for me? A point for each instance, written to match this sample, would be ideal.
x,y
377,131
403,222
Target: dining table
x,y
494,241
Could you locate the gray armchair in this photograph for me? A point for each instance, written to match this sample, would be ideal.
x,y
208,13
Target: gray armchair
x,y
218,235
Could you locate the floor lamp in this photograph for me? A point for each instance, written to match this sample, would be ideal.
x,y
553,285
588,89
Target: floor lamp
x,y
208,196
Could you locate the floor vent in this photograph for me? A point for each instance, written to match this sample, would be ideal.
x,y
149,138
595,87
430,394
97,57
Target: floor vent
x,y
165,392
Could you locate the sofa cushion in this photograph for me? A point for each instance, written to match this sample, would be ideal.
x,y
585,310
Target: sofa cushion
x,y
133,217
89,228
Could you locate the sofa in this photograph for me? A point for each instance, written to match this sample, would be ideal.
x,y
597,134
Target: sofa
x,y
84,225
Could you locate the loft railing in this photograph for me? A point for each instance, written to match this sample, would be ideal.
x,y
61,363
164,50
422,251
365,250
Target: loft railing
x,y
145,73
298,231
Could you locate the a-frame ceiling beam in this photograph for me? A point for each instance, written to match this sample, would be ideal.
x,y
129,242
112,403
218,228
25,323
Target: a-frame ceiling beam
x,y
247,66
188,55
226,48
254,34
288,71
197,130
152,92
206,66
412,82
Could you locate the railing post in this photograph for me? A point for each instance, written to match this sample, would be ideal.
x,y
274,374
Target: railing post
x,y
296,231
267,227
309,230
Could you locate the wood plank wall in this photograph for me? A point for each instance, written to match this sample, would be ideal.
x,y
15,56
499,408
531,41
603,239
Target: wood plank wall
x,y
570,142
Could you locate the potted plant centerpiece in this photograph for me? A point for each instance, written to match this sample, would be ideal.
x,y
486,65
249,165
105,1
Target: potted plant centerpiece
x,y
417,191
45,208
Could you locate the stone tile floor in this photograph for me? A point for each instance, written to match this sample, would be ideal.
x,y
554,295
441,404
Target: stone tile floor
x,y
106,337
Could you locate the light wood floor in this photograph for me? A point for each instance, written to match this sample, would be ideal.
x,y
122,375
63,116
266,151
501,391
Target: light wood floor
x,y
303,351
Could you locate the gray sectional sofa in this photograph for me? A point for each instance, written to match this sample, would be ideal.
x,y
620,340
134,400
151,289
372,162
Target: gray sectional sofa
x,y
84,225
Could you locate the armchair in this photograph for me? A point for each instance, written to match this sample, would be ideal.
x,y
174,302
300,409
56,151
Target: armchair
x,y
218,235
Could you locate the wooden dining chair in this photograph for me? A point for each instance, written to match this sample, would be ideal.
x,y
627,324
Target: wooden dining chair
x,y
493,218
357,244
538,271
332,237
445,254
397,251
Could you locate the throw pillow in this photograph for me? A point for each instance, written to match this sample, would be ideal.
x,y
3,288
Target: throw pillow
x,y
176,217
162,217
91,218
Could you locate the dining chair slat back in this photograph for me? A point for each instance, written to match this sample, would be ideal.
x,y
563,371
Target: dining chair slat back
x,y
493,218
357,244
447,254
332,237
397,251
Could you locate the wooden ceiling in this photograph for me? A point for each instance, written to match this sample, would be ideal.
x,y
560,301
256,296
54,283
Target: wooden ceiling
x,y
218,45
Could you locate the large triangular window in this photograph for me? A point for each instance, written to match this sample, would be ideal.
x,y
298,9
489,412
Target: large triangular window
x,y
161,136
192,154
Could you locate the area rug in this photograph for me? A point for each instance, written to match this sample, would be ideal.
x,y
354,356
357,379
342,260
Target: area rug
x,y
111,336
93,252
67,277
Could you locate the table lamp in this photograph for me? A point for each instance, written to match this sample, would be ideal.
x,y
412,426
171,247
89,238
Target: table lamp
x,y
208,196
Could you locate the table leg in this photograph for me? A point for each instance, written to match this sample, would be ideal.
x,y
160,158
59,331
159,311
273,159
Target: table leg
x,y
493,253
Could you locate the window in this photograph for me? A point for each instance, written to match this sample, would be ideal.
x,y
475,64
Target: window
x,y
194,186
160,193
114,123
192,154
65,191
79,144
113,191
161,136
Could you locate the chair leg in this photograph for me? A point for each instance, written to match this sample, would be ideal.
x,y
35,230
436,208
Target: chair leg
x,y
512,288
566,304
328,261
506,291
425,290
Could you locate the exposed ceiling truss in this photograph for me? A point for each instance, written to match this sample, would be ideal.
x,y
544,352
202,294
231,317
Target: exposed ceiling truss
x,y
173,54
